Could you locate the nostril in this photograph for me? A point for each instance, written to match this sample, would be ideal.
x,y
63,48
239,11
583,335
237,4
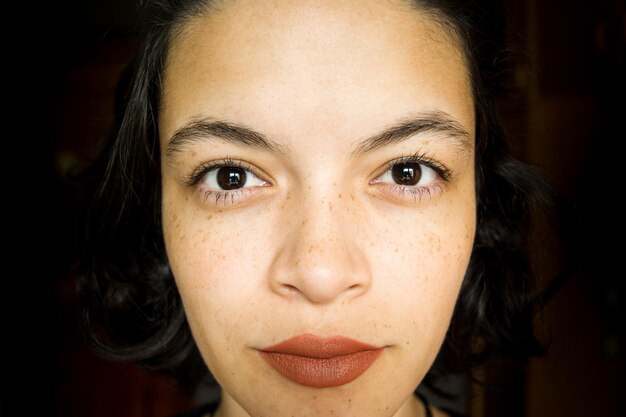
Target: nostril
x,y
290,288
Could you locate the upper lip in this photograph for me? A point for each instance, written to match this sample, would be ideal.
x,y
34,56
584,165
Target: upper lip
x,y
312,346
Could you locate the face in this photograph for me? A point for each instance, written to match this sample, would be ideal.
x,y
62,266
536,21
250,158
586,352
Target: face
x,y
318,200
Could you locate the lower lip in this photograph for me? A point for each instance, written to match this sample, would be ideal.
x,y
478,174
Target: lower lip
x,y
322,372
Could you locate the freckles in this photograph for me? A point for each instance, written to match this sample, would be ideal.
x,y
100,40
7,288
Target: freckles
x,y
199,232
177,228
435,244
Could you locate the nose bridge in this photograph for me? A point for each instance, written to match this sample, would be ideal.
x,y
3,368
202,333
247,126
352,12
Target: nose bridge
x,y
322,241
321,258
323,218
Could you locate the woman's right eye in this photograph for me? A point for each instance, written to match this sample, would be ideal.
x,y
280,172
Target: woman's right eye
x,y
225,182
228,178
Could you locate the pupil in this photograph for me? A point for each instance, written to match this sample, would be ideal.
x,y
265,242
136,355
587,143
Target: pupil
x,y
407,173
231,178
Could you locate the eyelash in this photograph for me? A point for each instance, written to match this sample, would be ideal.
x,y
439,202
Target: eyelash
x,y
417,193
228,197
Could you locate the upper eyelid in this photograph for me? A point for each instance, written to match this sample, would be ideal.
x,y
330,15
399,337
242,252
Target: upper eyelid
x,y
443,171
196,175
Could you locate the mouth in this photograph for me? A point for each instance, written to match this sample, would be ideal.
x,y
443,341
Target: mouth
x,y
321,362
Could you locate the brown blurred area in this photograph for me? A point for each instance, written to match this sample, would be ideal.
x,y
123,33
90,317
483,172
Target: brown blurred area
x,y
565,116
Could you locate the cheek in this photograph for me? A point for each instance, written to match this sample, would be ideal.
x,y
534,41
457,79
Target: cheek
x,y
214,264
420,265
217,261
208,253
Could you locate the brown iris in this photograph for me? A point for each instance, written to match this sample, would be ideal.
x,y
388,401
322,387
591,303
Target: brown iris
x,y
408,173
231,178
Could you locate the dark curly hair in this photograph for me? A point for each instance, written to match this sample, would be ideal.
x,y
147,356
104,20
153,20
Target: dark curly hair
x,y
132,308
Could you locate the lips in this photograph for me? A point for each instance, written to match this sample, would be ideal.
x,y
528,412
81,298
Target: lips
x,y
321,362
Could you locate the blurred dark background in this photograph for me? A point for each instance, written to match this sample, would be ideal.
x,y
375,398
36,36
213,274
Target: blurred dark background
x,y
565,115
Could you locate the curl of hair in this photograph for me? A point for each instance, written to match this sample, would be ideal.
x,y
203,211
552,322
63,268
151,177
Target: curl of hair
x,y
132,309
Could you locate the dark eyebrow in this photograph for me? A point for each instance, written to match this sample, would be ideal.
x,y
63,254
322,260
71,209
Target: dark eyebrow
x,y
433,122
438,122
203,129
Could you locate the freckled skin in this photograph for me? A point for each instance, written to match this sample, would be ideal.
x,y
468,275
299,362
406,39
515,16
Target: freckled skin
x,y
322,249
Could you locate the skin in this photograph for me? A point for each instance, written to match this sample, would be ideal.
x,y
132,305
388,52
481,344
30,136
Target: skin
x,y
323,242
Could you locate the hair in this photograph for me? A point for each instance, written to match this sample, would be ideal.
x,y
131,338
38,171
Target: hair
x,y
132,308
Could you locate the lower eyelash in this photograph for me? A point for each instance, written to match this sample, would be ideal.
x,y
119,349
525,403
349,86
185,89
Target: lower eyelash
x,y
417,193
220,197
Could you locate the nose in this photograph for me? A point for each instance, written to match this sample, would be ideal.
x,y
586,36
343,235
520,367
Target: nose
x,y
321,258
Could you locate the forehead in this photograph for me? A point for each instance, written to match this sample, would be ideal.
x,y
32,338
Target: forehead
x,y
334,59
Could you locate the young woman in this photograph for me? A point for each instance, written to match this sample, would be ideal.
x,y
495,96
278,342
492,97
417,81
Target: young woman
x,y
316,196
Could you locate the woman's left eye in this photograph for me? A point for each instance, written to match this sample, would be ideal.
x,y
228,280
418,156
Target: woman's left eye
x,y
408,174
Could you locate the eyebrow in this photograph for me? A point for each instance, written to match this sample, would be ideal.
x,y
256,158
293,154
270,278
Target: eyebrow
x,y
208,129
439,123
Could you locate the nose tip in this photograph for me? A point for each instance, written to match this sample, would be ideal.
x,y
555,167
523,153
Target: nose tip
x,y
320,268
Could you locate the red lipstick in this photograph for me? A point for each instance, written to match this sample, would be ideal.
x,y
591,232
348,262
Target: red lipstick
x,y
321,362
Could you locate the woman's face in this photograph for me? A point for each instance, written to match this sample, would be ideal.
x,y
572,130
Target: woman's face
x,y
318,190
